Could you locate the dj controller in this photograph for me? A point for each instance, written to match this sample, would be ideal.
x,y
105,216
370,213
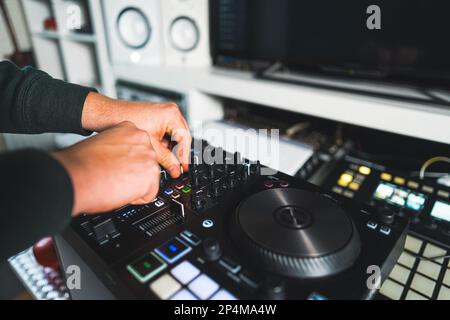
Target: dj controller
x,y
226,230
423,270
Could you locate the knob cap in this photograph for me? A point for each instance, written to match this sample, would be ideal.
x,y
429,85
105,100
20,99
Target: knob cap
x,y
212,249
198,201
387,216
212,168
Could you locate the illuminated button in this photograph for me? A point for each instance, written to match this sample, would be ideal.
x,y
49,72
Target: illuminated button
x,y
413,185
400,274
168,191
230,265
175,195
173,250
385,230
429,269
337,189
186,190
432,251
203,287
284,184
444,293
207,223
185,272
391,289
191,238
399,180
443,194
386,176
316,296
223,294
354,186
423,285
146,267
413,244
268,184
407,260
364,170
412,295
447,278
183,294
372,225
348,194
345,179
159,203
179,186
165,286
427,189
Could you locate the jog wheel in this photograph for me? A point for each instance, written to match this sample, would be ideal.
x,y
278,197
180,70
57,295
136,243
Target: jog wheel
x,y
295,233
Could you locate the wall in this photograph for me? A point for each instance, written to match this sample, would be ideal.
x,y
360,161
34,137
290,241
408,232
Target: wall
x,y
14,8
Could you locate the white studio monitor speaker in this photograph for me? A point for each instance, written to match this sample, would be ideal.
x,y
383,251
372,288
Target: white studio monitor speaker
x,y
186,32
134,30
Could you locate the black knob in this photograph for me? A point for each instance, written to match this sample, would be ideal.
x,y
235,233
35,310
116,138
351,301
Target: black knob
x,y
258,168
212,249
195,179
237,158
163,179
215,189
231,180
198,200
245,172
387,216
212,168
274,289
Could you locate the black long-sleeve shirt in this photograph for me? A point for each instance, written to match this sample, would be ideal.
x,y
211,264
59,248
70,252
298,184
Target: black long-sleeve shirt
x,y
36,194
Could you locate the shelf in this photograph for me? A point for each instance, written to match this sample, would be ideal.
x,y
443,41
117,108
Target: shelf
x,y
406,118
47,34
81,37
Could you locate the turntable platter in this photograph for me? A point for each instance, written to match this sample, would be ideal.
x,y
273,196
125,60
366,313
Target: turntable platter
x,y
296,232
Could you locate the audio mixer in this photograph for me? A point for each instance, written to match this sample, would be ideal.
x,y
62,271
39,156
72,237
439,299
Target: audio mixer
x,y
226,231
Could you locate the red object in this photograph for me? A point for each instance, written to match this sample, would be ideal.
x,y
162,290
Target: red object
x,y
50,24
45,253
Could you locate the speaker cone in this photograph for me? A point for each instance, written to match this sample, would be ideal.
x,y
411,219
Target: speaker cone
x,y
134,28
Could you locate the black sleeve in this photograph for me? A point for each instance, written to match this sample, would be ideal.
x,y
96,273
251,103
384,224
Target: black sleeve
x,y
36,199
33,102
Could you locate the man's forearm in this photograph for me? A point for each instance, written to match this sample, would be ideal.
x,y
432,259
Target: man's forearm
x,y
36,199
33,102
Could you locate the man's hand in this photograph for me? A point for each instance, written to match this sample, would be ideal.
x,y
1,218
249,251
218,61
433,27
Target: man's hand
x,y
112,169
159,120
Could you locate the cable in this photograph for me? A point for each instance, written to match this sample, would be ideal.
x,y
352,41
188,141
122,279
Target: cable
x,y
429,174
429,258
429,162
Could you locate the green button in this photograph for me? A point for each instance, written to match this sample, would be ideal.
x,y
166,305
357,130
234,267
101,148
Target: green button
x,y
146,267
186,190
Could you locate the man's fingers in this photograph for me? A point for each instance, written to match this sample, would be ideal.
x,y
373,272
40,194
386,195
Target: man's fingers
x,y
167,159
183,139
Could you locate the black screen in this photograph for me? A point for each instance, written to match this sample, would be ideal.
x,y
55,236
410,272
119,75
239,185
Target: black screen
x,y
413,42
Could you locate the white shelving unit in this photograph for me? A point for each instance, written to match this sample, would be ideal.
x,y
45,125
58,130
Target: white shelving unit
x,y
406,118
80,58
65,54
